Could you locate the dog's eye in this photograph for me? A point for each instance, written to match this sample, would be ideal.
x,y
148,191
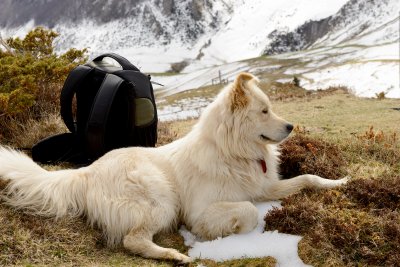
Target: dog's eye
x,y
265,111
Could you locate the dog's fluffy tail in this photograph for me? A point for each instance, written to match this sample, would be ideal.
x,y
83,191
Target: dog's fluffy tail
x,y
42,192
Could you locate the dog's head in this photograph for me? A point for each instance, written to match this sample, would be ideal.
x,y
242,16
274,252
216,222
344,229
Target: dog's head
x,y
249,103
241,119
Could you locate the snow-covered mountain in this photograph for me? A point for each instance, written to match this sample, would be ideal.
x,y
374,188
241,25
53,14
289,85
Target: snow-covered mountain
x,y
153,33
327,38
361,22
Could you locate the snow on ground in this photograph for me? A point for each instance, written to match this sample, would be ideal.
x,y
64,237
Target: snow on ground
x,y
256,244
364,79
199,78
183,109
365,70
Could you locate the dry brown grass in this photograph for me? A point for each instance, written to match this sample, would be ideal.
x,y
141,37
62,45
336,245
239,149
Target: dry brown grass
x,y
27,240
341,230
358,224
165,134
289,91
27,134
303,154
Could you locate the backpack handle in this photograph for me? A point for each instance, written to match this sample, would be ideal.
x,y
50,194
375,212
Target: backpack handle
x,y
125,64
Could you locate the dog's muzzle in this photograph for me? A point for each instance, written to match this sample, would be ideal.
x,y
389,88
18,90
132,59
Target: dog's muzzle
x,y
289,128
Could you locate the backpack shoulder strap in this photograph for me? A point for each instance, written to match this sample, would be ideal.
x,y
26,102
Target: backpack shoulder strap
x,y
74,80
97,122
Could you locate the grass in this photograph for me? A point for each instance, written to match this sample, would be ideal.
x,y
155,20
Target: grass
x,y
358,224
34,130
207,92
340,114
355,225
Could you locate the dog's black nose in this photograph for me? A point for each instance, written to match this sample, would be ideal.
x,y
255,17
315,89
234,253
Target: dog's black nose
x,y
289,127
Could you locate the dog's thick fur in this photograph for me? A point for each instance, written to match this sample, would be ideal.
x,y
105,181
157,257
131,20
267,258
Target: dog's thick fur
x,y
206,180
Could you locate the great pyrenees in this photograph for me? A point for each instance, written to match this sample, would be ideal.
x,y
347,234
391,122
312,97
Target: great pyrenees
x,y
206,180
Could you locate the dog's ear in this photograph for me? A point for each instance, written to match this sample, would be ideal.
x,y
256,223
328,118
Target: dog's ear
x,y
239,99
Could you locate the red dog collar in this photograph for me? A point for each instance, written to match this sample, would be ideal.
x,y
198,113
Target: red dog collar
x,y
263,165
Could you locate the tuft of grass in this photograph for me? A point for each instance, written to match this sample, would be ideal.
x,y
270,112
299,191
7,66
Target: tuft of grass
x,y
27,134
380,96
165,134
378,146
375,194
303,154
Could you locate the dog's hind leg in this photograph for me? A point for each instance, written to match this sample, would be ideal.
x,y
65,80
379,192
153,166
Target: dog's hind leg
x,y
140,242
154,206
284,188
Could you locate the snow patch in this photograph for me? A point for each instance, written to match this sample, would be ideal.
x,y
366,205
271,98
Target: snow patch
x,y
364,79
256,244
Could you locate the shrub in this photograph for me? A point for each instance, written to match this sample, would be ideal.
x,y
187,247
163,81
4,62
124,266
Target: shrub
x,y
179,66
31,76
296,81
381,95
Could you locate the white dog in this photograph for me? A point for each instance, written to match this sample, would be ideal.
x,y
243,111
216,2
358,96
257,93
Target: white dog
x,y
207,180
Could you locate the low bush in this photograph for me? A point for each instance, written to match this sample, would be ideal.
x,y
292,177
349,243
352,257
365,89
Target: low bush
x,y
31,77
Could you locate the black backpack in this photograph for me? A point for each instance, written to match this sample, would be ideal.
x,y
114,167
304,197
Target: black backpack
x,y
115,107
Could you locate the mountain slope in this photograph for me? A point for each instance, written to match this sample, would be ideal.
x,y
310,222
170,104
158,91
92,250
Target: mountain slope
x,y
361,22
214,31
324,42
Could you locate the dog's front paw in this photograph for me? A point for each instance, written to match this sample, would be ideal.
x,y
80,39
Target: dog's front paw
x,y
328,183
343,181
